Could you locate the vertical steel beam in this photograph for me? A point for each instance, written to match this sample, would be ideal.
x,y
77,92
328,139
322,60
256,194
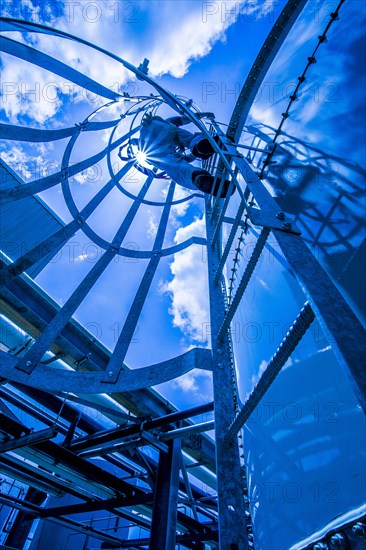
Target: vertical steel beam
x,y
232,528
23,522
164,518
230,239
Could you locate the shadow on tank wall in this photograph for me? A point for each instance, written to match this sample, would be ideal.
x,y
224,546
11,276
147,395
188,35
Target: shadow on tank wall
x,y
325,195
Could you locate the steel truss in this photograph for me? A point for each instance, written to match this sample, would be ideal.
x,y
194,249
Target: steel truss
x,y
214,518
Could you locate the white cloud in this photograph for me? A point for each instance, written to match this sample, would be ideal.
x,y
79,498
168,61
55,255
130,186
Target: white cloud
x,y
81,258
183,36
188,288
27,166
152,225
187,382
28,90
255,378
197,381
179,210
176,34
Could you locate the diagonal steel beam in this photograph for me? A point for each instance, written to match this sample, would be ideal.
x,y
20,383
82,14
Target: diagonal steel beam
x,y
129,327
287,346
94,506
28,440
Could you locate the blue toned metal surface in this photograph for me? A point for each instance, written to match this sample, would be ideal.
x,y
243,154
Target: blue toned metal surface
x,y
304,443
23,133
36,57
26,224
304,463
286,450
338,321
283,353
260,67
164,519
232,522
305,453
56,380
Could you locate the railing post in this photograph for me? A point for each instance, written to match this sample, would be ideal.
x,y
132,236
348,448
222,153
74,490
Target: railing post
x,y
232,525
164,519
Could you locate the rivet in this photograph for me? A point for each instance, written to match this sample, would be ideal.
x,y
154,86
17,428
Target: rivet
x,y
359,529
28,364
338,540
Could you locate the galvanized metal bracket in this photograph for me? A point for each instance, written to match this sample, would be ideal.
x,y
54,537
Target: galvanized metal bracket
x,y
280,221
46,378
154,442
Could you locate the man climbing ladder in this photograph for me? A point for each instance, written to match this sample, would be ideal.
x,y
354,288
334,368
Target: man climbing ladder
x,y
165,145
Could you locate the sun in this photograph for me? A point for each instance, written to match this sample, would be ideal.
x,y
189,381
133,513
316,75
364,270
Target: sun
x,y
141,158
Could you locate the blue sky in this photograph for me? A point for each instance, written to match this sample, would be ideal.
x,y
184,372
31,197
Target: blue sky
x,y
201,50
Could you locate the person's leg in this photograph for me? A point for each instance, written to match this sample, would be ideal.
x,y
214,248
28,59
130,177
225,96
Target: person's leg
x,y
197,143
191,177
201,147
184,138
178,170
204,181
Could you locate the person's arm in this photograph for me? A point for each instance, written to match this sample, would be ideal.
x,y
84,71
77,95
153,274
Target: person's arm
x,y
179,120
189,157
148,118
182,120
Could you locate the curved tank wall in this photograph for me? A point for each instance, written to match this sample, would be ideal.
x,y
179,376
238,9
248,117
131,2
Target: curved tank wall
x,y
305,444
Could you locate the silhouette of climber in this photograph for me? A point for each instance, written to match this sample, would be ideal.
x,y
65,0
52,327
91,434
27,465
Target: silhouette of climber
x,y
164,143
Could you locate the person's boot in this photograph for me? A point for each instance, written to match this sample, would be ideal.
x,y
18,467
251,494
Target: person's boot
x,y
203,149
204,181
